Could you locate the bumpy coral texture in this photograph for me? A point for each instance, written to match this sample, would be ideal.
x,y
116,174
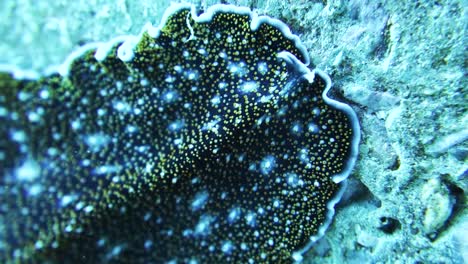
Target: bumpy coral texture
x,y
205,147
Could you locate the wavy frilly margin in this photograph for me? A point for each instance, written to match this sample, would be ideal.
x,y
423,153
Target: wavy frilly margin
x,y
341,177
126,53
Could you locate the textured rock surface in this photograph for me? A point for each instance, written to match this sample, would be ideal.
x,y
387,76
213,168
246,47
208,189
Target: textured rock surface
x,y
409,54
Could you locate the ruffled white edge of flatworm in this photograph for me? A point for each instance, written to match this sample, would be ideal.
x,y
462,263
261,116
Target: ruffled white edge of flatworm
x,y
126,50
341,177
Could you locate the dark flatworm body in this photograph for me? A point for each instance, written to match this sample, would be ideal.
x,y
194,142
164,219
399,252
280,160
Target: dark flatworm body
x,y
206,140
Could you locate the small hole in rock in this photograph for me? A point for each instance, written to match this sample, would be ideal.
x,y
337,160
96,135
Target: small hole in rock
x,y
389,225
396,164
